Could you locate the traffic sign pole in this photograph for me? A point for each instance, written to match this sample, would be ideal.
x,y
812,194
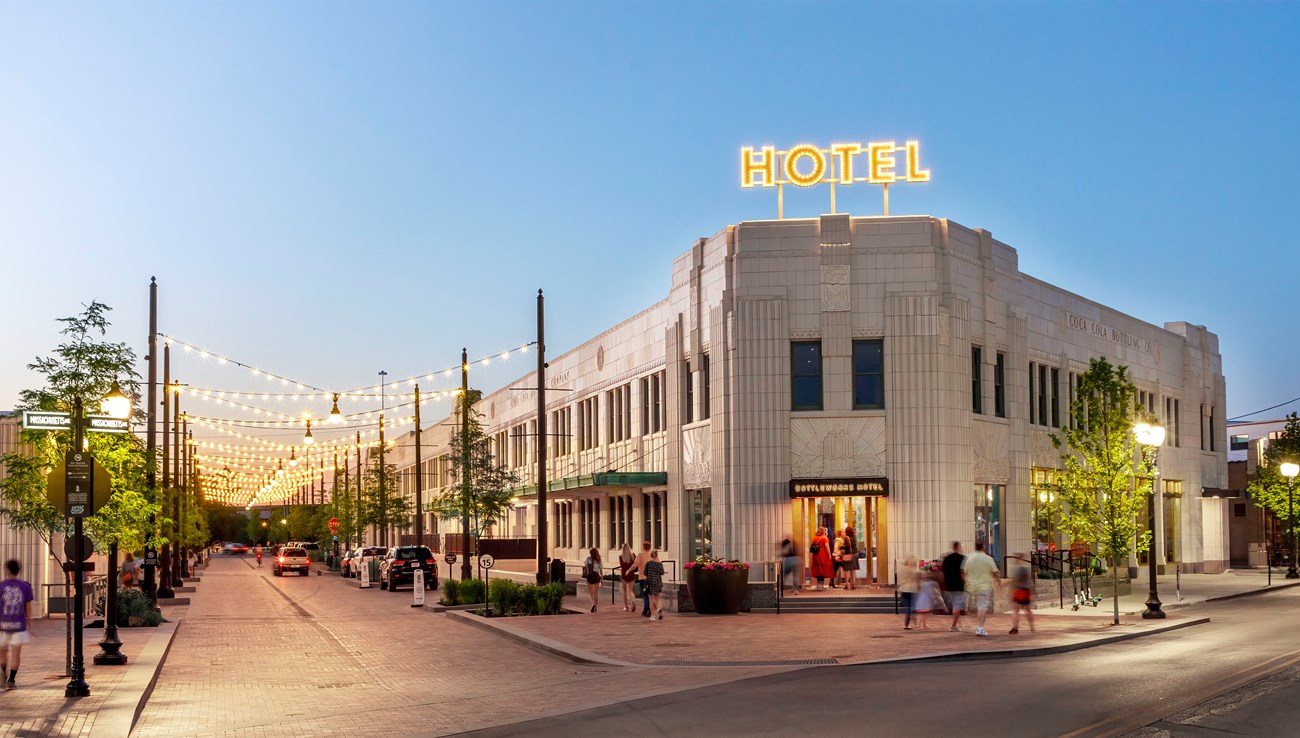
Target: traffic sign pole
x,y
77,686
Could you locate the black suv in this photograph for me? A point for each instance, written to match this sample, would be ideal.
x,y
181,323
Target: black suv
x,y
399,566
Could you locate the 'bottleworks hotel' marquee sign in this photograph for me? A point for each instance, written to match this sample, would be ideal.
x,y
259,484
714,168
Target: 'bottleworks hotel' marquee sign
x,y
806,165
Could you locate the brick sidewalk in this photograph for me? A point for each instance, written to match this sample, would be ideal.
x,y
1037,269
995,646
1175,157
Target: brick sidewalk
x,y
769,639
38,707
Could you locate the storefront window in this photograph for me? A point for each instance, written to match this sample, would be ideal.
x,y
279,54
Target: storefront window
x,y
988,519
1046,516
701,521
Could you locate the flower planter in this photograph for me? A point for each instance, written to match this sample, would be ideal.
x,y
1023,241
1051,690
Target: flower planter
x,y
717,592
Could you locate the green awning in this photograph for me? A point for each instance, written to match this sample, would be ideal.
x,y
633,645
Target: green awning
x,y
606,479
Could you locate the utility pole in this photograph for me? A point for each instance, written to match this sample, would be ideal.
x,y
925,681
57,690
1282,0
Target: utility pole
x,y
151,439
165,559
383,491
360,528
465,485
419,478
543,574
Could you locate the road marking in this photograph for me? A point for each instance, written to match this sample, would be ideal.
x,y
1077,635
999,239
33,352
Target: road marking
x,y
1138,717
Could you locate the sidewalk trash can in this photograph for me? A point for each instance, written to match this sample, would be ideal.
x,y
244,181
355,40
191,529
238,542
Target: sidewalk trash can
x,y
557,570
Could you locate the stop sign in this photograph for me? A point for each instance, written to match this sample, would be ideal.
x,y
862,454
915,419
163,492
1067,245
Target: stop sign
x,y
334,525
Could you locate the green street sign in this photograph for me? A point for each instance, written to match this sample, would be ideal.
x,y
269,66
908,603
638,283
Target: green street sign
x,y
55,421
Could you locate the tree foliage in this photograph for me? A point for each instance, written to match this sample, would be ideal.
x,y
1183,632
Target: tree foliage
x,y
382,507
485,495
343,505
1105,478
1269,489
84,366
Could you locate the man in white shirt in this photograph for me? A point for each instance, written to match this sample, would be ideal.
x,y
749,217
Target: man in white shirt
x,y
981,574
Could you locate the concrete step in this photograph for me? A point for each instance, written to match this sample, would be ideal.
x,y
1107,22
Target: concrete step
x,y
823,610
173,601
185,589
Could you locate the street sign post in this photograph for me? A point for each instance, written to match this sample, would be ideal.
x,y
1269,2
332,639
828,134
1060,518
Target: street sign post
x,y
79,483
150,558
56,487
451,561
334,526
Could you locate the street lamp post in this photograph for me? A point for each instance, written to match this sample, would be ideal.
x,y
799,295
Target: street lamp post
x,y
115,404
1152,436
1290,471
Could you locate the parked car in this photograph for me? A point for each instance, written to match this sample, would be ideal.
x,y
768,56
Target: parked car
x,y
292,559
364,555
399,567
236,549
345,563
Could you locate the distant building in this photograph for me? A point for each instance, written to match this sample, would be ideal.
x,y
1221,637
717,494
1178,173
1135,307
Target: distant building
x,y
27,547
897,374
1254,532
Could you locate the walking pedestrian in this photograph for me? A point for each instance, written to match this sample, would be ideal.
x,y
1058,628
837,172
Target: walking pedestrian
x,y
981,574
641,560
627,576
791,565
929,599
849,559
1022,594
954,586
15,613
591,573
654,575
129,573
909,588
820,548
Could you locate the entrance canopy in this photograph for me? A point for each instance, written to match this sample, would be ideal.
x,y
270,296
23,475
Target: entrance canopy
x,y
605,479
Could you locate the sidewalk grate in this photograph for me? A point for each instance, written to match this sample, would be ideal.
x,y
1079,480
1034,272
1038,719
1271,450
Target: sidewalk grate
x,y
786,662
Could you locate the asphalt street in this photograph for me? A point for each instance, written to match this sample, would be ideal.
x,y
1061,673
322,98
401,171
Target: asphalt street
x,y
1108,690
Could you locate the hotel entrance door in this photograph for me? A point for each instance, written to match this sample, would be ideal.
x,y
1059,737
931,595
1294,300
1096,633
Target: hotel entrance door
x,y
867,515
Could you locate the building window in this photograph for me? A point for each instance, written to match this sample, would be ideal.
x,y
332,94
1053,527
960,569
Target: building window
x,y
1239,443
1043,495
653,505
1213,430
701,521
1178,424
706,389
806,375
1042,394
657,420
1202,427
868,375
1033,416
976,386
1056,398
688,412
999,385
988,519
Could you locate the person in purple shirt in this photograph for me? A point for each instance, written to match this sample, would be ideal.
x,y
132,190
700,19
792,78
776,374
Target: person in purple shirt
x,y
15,611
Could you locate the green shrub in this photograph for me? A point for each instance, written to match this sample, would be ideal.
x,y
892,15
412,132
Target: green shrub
x,y
151,619
471,592
528,599
450,592
132,603
550,598
504,594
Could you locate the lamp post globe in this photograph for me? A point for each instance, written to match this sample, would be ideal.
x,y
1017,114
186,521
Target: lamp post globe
x,y
116,404
1290,470
1152,436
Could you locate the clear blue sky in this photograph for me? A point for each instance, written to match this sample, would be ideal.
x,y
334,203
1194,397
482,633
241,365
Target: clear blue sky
x,y
328,189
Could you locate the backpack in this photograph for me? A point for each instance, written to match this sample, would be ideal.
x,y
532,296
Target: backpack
x,y
815,548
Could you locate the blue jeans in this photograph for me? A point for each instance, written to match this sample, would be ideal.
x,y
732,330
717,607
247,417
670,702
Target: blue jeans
x,y
907,608
644,586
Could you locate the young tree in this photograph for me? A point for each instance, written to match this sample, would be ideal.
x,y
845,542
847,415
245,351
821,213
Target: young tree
x,y
1105,475
485,498
383,507
1269,489
83,367
344,507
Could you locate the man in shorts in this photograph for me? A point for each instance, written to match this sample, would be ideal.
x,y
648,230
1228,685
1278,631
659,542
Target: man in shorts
x,y
15,612
981,573
954,585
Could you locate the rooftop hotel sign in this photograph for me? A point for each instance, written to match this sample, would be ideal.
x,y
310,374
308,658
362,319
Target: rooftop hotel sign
x,y
879,162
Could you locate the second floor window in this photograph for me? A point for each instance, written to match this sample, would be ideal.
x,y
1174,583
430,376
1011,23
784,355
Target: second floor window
x,y
868,375
806,375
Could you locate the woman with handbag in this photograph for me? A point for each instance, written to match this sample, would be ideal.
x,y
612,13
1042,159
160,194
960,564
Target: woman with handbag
x,y
820,550
627,576
849,558
591,573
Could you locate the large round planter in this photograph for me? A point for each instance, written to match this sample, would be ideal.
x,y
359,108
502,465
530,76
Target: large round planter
x,y
717,592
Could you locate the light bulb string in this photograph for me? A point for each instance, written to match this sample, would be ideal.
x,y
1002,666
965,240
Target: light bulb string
x,y
412,380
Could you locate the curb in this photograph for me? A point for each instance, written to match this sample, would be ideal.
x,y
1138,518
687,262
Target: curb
x,y
120,711
1013,653
1247,593
581,656
538,643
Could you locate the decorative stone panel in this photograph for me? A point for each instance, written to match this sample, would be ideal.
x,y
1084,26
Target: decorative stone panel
x,y
1042,453
835,288
697,458
992,447
837,447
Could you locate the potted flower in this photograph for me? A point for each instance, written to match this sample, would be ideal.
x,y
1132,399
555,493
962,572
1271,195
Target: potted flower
x,y
717,586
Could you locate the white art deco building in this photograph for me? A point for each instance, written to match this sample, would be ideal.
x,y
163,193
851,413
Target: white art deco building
x,y
900,374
